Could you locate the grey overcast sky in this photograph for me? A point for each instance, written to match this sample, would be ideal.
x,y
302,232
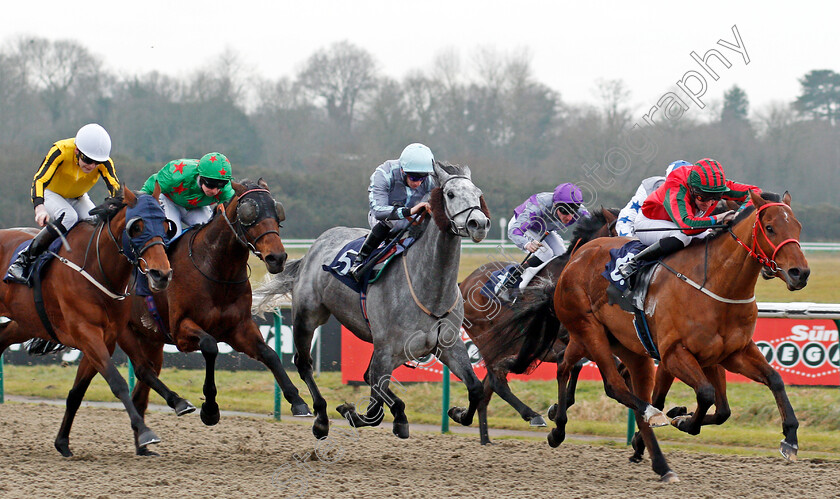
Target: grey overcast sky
x,y
572,44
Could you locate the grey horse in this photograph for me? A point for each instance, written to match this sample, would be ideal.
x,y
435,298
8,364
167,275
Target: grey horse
x,y
414,309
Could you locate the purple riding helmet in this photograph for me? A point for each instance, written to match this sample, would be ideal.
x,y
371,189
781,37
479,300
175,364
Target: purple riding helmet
x,y
567,196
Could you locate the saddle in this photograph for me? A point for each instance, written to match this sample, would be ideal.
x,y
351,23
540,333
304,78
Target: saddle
x,y
631,296
39,265
383,255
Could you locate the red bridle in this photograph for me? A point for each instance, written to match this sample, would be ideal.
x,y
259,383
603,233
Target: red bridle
x,y
755,250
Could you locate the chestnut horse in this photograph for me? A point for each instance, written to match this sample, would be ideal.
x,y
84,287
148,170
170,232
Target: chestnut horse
x,y
696,334
87,314
209,301
482,312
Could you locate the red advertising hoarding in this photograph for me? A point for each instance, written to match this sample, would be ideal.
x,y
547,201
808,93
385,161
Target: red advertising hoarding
x,y
803,351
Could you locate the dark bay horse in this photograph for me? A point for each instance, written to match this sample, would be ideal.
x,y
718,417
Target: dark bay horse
x,y
695,333
209,300
413,310
87,315
482,312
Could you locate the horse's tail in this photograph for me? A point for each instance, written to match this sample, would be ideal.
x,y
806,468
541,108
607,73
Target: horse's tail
x,y
38,346
531,329
267,295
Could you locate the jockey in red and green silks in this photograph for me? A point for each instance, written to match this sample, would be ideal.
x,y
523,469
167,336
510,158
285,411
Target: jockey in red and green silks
x,y
684,204
191,187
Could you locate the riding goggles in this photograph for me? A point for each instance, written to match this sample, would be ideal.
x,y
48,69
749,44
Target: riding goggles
x,y
87,160
568,209
212,183
416,177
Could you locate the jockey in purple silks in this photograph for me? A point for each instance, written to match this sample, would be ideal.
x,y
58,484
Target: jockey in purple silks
x,y
543,212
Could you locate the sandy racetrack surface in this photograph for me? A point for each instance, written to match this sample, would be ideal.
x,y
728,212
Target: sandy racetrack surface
x,y
253,457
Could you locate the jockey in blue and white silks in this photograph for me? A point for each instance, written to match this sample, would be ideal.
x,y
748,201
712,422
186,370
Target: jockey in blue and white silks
x,y
398,189
625,226
543,212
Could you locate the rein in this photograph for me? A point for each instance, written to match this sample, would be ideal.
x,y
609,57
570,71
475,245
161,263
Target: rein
x,y
755,250
417,301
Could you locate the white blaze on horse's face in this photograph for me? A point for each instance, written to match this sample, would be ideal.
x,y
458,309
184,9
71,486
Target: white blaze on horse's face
x,y
462,201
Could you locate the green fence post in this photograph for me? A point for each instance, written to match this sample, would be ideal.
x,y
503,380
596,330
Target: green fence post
x,y
444,406
631,425
130,377
278,347
1,376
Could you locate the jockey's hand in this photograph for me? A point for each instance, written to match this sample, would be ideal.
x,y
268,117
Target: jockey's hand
x,y
533,246
41,215
421,206
725,217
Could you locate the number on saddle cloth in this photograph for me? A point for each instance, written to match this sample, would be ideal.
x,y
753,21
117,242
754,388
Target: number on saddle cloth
x,y
345,257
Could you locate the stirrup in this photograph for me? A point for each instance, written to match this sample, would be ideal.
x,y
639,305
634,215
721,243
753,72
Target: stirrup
x,y
354,271
628,269
16,272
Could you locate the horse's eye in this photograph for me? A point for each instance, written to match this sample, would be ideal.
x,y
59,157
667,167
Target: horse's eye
x,y
450,195
134,227
769,229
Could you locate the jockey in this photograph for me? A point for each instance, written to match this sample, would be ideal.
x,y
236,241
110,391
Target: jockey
x,y
397,191
543,212
624,226
190,186
59,189
683,203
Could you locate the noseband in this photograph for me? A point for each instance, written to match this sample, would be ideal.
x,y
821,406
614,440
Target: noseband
x,y
755,249
238,230
454,228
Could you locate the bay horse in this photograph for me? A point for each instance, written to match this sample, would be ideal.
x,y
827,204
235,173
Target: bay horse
x,y
482,312
696,334
209,300
88,313
413,309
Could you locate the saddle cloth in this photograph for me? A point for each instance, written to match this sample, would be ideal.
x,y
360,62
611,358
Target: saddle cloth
x,y
39,266
492,281
345,257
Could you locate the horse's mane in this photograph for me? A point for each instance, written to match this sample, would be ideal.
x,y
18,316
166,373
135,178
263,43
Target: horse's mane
x,y
587,226
108,209
766,195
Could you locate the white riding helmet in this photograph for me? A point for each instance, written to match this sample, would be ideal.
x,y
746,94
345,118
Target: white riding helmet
x,y
417,158
94,142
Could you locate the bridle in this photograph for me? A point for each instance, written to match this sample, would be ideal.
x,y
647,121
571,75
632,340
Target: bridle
x,y
755,249
454,228
241,235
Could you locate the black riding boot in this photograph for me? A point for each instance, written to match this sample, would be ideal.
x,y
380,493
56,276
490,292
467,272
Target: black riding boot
x,y
663,247
26,258
377,234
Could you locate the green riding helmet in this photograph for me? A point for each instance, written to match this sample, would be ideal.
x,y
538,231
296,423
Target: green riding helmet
x,y
214,165
707,176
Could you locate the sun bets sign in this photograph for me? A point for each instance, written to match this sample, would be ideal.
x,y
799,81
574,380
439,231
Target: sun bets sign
x,y
803,351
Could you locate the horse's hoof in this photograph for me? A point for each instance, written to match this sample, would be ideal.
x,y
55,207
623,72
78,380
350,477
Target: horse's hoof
x,y
209,413
680,422
345,409
144,451
677,411
537,421
655,418
635,458
184,407
669,477
146,438
321,430
401,430
555,438
456,414
552,412
789,451
301,410
63,447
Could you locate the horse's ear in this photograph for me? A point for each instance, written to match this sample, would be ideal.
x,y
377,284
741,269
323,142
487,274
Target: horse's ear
x,y
440,174
786,198
156,192
608,215
128,197
262,183
467,171
757,200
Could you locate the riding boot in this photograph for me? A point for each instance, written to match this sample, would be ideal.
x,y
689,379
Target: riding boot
x,y
663,247
532,266
377,234
26,258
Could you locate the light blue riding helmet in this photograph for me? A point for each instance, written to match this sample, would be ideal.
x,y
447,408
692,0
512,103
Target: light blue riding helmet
x,y
417,158
676,164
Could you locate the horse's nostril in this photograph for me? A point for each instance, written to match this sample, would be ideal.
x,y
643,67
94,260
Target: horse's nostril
x,y
794,273
472,225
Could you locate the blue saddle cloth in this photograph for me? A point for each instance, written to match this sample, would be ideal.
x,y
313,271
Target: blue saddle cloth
x,y
618,257
40,265
344,259
495,277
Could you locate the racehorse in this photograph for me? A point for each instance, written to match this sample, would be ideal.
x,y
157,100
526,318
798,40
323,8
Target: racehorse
x,y
482,312
209,300
694,333
411,311
87,313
